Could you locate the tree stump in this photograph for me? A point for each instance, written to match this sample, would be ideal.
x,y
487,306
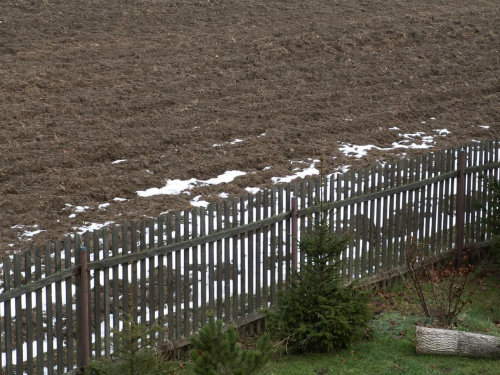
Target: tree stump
x,y
446,342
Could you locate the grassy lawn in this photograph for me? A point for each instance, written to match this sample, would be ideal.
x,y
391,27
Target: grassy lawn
x,y
390,348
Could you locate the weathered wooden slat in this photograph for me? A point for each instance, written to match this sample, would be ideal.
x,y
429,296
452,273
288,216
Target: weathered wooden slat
x,y
303,219
371,186
69,306
250,256
398,215
265,252
125,267
151,275
29,313
39,315
404,208
160,271
272,250
116,282
97,297
235,272
59,313
364,220
421,211
435,203
280,244
170,280
258,253
49,312
379,236
178,279
203,268
18,316
416,200
211,262
196,269
227,263
219,263
143,246
186,279
243,261
8,320
440,206
358,226
106,298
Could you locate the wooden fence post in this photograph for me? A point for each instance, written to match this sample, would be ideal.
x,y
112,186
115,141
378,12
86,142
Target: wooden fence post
x,y
460,222
295,219
84,308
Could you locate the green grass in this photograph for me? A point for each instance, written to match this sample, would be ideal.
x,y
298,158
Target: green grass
x,y
391,346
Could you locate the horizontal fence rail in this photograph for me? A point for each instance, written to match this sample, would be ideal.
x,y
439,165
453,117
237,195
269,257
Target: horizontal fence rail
x,y
232,258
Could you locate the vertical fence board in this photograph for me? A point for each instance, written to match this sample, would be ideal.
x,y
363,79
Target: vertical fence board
x,y
8,322
250,257
69,306
203,268
116,282
265,249
272,259
170,279
49,312
235,271
39,315
161,280
258,255
178,279
186,278
243,261
219,266
280,239
29,314
151,274
196,269
18,316
211,261
97,298
227,264
59,316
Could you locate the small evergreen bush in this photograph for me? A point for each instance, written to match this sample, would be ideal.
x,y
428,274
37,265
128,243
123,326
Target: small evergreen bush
x,y
492,219
317,312
134,353
216,352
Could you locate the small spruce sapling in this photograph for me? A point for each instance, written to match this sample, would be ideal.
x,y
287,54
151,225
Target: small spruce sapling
x,y
216,352
318,312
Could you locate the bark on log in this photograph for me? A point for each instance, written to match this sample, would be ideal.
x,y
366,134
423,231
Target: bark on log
x,y
446,342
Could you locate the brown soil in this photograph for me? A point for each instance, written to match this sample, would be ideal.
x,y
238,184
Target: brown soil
x,y
84,83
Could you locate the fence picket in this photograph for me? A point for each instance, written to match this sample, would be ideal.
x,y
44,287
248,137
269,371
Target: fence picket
x,y
29,314
59,316
235,292
68,309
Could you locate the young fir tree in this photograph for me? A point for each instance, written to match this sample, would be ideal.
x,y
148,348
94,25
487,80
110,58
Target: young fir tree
x,y
133,353
317,312
492,219
216,352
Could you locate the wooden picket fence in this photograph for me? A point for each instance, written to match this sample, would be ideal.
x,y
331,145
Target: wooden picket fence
x,y
61,303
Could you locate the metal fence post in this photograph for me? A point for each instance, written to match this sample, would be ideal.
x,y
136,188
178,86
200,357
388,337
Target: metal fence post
x,y
294,217
460,223
84,308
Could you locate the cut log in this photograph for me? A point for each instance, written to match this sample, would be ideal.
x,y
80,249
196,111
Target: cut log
x,y
446,342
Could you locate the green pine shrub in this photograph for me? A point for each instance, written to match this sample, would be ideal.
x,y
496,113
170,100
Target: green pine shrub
x,y
134,353
317,313
492,218
216,352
